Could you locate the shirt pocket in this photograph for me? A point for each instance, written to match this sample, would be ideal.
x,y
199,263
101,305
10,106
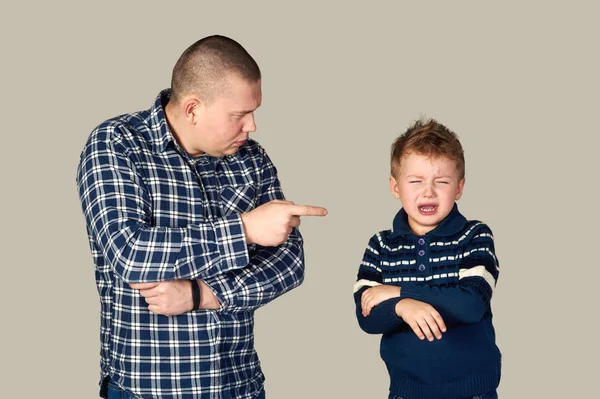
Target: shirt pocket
x,y
237,199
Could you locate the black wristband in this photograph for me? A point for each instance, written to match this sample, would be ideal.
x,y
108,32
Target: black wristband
x,y
195,294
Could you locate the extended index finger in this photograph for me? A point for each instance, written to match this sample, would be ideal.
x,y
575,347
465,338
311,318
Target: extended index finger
x,y
307,210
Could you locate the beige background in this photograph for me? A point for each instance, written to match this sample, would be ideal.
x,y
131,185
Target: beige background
x,y
518,81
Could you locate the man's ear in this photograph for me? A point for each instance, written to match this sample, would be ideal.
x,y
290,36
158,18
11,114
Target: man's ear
x,y
394,187
190,109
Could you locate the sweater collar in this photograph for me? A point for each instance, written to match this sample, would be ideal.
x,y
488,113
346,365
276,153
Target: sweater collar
x,y
452,224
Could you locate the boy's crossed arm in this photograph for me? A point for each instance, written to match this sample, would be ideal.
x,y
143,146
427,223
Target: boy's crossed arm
x,y
423,319
379,308
373,296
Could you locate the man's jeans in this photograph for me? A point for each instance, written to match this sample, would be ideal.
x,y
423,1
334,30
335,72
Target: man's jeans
x,y
114,392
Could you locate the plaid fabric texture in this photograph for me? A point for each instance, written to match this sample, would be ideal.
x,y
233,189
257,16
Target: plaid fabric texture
x,y
153,213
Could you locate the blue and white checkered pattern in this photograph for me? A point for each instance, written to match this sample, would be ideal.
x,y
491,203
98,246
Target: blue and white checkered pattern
x,y
155,214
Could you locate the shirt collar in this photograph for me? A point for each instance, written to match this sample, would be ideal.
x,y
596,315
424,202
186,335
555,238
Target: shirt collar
x,y
156,122
453,223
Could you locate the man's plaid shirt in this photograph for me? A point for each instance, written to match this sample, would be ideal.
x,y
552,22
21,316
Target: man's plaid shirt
x,y
153,213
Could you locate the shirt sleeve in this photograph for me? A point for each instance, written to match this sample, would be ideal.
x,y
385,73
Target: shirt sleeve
x,y
468,300
383,317
117,210
272,271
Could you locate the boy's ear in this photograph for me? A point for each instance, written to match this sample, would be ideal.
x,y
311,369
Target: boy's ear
x,y
394,187
459,189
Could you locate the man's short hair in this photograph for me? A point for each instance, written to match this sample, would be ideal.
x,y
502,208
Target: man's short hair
x,y
429,138
204,66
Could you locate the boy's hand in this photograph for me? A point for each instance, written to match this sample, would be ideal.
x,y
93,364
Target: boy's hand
x,y
424,320
375,295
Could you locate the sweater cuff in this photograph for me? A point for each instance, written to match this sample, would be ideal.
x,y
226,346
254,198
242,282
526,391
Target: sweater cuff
x,y
386,314
413,292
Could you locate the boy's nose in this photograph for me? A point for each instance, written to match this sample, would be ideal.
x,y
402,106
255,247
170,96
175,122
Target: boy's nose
x,y
428,191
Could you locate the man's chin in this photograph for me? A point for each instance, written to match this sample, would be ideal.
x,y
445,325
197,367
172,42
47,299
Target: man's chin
x,y
231,150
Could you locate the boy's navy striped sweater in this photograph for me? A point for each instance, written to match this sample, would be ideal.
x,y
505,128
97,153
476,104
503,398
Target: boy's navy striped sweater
x,y
453,268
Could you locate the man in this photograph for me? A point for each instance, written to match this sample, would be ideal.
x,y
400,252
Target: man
x,y
190,233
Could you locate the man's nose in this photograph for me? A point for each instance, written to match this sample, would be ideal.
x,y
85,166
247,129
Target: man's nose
x,y
250,125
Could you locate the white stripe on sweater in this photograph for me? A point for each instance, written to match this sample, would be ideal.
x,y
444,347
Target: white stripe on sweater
x,y
478,271
433,277
464,255
400,262
376,252
442,243
370,265
384,246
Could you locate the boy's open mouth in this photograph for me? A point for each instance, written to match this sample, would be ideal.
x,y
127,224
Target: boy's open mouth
x,y
427,209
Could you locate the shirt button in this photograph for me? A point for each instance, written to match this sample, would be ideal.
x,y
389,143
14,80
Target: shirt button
x,y
421,241
421,267
421,252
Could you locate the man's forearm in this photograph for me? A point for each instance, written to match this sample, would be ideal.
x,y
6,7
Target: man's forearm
x,y
272,272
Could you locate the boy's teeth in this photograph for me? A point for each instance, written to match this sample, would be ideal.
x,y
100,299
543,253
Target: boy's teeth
x,y
427,208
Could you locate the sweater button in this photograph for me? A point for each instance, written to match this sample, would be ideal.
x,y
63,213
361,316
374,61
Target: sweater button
x,y
421,241
421,252
421,267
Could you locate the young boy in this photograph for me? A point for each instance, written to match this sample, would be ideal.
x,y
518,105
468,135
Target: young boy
x,y
426,284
